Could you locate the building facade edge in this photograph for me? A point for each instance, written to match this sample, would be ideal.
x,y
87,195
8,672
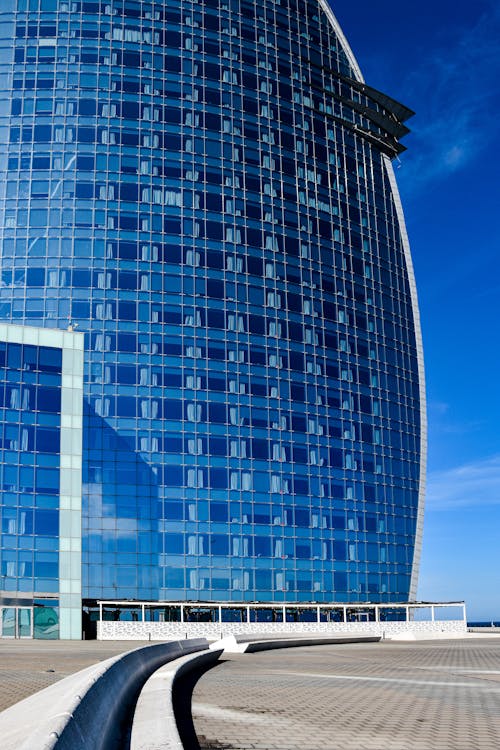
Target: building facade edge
x,y
416,317
421,378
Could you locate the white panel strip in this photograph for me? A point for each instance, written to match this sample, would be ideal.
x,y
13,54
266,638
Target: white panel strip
x,y
323,4
70,513
416,318
421,379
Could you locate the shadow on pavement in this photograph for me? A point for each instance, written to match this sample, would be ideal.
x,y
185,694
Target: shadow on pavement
x,y
182,697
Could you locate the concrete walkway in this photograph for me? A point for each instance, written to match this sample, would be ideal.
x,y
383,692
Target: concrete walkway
x,y
28,666
426,695
390,696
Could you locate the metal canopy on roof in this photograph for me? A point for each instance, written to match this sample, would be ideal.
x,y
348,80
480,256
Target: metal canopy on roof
x,y
385,117
398,110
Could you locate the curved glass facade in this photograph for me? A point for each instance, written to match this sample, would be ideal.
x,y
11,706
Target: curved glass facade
x,y
205,190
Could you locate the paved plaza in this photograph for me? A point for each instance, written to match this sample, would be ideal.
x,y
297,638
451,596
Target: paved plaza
x,y
439,695
427,695
28,666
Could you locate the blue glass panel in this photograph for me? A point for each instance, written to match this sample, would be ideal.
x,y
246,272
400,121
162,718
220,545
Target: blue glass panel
x,y
223,231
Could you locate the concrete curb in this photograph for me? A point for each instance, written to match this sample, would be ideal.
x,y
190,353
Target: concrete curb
x,y
154,725
242,644
87,710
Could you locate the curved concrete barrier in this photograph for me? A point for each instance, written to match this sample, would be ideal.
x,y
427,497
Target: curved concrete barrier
x,y
91,709
241,644
154,726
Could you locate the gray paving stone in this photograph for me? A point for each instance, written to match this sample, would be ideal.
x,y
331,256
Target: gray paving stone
x,y
389,696
29,666
423,696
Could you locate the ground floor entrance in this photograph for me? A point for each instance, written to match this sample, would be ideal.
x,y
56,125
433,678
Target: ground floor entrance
x,y
16,622
29,622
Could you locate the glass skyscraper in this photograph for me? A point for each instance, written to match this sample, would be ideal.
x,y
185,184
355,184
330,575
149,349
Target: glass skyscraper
x,y
198,211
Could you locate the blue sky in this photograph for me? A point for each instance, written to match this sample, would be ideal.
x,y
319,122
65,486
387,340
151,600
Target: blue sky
x,y
442,59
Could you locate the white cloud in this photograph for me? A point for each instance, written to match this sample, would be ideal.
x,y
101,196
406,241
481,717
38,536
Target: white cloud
x,y
439,408
458,93
472,484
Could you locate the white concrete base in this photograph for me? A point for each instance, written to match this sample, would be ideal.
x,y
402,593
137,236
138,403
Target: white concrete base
x,y
214,631
435,636
230,645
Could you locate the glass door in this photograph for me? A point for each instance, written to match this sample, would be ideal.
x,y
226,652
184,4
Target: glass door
x,y
24,623
16,622
8,622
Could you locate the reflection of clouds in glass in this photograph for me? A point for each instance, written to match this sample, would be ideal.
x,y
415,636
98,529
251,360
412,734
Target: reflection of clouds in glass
x,y
129,532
